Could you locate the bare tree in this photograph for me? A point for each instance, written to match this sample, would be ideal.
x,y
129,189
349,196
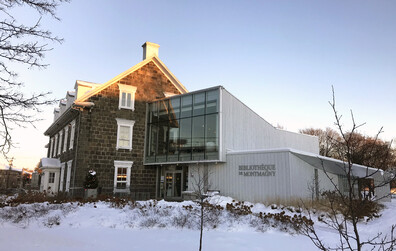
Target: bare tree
x,y
366,150
346,207
200,187
329,140
26,45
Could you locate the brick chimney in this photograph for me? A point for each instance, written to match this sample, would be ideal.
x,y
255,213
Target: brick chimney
x,y
150,49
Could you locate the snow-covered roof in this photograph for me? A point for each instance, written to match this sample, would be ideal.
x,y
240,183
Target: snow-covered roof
x,y
50,163
85,83
71,93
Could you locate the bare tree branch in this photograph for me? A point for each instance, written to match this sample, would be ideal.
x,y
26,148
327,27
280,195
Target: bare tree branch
x,y
347,207
26,45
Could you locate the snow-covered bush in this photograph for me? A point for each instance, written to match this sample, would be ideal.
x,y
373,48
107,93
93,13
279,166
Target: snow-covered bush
x,y
91,181
23,214
219,212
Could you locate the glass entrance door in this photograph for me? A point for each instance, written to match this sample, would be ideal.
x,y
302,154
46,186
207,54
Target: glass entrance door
x,y
173,185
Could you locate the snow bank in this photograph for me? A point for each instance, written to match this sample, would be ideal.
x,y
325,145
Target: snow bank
x,y
154,225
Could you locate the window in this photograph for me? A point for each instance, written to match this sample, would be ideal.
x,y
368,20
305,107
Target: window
x,y
124,133
51,152
127,97
72,132
65,139
122,175
68,174
55,145
60,142
184,128
51,178
62,176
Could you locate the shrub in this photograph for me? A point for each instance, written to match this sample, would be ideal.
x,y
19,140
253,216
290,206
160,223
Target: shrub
x,y
91,182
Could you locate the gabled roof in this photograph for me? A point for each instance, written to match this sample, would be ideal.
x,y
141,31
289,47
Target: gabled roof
x,y
136,67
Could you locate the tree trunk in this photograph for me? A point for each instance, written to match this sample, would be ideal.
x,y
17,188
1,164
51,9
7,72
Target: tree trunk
x,y
202,218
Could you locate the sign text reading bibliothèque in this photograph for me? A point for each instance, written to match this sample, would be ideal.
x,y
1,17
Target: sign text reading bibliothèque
x,y
257,170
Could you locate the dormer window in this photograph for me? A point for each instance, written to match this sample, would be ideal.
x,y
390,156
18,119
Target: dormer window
x,y
127,97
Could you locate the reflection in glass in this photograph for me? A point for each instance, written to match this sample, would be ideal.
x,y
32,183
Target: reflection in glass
x,y
163,134
174,108
211,137
173,149
199,104
121,177
186,109
163,110
185,139
198,138
151,146
153,113
212,98
124,138
183,128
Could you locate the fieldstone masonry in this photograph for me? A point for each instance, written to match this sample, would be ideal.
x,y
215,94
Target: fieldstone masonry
x,y
96,134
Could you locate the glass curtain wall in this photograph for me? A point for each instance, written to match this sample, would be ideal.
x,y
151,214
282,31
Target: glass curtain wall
x,y
183,128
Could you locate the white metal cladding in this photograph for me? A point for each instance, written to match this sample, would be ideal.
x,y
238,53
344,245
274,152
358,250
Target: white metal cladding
x,y
325,184
382,186
225,177
303,178
242,129
291,180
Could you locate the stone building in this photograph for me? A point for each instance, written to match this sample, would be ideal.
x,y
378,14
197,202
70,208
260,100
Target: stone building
x,y
102,127
10,178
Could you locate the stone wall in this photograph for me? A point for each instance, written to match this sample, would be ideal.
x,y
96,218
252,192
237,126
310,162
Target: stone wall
x,y
10,179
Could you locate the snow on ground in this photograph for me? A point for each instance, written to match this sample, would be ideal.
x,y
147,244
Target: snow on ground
x,y
98,226
65,238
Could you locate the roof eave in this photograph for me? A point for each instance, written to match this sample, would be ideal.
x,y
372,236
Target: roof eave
x,y
60,121
153,59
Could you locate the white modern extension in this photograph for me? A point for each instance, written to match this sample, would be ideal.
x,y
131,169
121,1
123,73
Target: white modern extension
x,y
210,134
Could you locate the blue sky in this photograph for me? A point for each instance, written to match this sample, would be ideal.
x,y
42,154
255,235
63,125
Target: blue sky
x,y
278,57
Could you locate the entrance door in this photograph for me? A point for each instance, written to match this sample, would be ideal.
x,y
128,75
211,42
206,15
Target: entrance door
x,y
173,185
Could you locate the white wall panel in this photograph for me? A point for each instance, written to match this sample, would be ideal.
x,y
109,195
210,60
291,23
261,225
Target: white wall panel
x,y
302,175
226,178
243,129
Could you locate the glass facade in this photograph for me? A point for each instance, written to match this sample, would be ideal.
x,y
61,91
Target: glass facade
x,y
183,128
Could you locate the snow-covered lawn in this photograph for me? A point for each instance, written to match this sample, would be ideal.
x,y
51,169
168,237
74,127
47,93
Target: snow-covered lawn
x,y
161,227
66,238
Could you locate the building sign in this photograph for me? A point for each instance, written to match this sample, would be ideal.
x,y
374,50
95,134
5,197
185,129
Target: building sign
x,y
257,170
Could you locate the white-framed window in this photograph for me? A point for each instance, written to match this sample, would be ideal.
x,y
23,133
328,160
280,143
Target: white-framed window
x,y
72,132
65,139
60,142
124,133
51,148
51,178
55,145
62,176
127,97
122,175
68,175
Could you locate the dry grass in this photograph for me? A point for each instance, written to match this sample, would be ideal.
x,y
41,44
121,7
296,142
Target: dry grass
x,y
366,208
